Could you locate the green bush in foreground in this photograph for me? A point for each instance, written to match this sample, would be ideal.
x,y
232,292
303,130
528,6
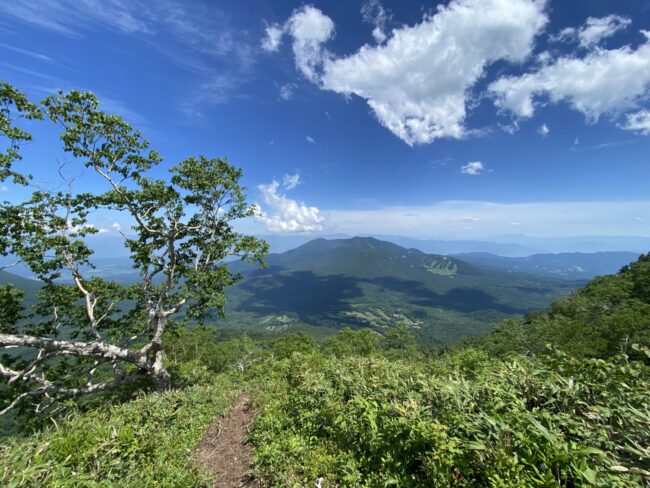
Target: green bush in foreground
x,y
144,443
371,422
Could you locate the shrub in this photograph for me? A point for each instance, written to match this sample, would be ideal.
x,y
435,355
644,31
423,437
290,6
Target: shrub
x,y
556,421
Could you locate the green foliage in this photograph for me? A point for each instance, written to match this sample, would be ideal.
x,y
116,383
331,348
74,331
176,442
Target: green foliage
x,y
556,421
14,106
348,342
11,307
196,355
368,410
288,344
147,442
399,342
601,320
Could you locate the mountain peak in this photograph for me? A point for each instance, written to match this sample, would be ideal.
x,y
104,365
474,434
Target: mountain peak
x,y
368,257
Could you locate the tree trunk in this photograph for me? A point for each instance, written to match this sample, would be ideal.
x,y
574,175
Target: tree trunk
x,y
159,374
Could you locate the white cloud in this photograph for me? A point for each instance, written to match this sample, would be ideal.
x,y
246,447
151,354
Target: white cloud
x,y
310,139
116,226
309,29
543,130
638,122
82,227
373,12
419,82
408,82
286,91
4,188
473,168
604,82
291,181
271,42
594,30
285,214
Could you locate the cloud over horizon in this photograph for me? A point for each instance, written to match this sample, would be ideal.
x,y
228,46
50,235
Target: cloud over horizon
x,y
449,219
284,214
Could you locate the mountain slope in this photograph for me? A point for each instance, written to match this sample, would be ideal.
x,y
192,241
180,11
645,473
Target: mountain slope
x,y
29,287
368,257
366,282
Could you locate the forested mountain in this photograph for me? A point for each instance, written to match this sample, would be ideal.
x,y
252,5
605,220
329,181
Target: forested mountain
x,y
367,257
366,282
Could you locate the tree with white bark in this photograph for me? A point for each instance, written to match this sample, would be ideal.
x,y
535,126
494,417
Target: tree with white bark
x,y
87,334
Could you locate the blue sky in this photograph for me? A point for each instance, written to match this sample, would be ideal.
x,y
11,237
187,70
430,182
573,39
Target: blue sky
x,y
467,120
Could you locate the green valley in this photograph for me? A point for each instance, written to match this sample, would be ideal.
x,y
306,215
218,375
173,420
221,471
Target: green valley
x,y
366,282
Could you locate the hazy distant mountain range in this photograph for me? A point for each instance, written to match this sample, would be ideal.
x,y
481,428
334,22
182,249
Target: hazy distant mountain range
x,y
568,265
509,245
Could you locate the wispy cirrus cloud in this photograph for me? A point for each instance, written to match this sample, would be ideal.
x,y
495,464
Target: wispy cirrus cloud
x,y
451,219
26,52
200,39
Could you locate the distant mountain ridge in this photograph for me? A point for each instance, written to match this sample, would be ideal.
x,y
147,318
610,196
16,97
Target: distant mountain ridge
x,y
567,265
282,243
513,245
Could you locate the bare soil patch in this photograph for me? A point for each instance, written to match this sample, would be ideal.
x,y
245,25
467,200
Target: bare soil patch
x,y
223,452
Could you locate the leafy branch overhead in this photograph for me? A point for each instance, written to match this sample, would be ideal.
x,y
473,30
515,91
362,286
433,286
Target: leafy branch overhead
x,y
182,234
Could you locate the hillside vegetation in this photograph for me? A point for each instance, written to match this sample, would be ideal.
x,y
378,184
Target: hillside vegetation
x,y
600,320
367,282
371,410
